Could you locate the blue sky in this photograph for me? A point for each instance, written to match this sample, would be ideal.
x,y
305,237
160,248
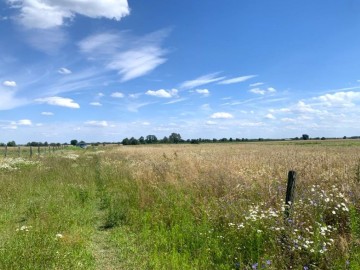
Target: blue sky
x,y
105,70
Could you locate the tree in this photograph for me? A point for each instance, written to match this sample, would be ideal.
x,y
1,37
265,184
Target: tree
x,y
174,138
151,139
165,140
133,141
12,143
125,141
73,142
305,137
142,140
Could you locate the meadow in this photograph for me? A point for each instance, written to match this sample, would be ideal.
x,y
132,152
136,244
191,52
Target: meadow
x,y
206,206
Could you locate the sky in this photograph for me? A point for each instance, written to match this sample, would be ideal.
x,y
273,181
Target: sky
x,y
103,70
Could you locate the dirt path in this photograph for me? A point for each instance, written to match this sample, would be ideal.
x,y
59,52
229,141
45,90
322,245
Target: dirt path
x,y
104,251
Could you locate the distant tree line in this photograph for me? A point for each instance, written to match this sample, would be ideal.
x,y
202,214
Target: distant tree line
x,y
173,138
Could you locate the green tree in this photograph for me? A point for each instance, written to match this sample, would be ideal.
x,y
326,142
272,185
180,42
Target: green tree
x,y
142,140
133,141
74,142
125,141
151,139
174,138
11,143
305,137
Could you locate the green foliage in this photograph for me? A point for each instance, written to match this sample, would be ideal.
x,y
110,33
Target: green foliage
x,y
11,143
74,142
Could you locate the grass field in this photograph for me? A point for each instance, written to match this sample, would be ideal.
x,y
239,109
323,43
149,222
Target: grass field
x,y
207,206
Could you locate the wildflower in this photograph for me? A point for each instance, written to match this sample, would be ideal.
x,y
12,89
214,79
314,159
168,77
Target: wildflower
x,y
254,266
24,228
59,236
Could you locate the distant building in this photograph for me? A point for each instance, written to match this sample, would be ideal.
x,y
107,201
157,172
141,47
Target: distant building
x,y
82,145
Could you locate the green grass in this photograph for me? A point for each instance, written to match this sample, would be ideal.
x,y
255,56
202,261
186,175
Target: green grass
x,y
181,207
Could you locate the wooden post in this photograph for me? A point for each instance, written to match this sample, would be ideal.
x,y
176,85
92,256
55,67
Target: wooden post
x,y
19,151
31,151
39,150
290,192
5,151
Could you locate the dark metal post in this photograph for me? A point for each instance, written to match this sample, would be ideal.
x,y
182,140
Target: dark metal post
x,y
5,151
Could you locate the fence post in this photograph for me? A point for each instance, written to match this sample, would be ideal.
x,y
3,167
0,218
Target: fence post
x,y
5,154
19,151
290,193
31,151
38,150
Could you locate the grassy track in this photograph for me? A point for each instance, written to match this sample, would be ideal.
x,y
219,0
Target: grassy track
x,y
214,206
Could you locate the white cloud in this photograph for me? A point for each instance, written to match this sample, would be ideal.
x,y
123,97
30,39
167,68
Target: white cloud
x,y
117,95
97,123
100,94
206,79
95,104
46,40
204,92
130,56
24,122
59,101
162,93
256,84
47,113
270,116
9,83
176,101
134,96
344,99
221,115
53,13
210,123
258,91
237,79
8,100
64,71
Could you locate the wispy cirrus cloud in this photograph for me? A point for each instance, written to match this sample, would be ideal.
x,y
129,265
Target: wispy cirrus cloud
x,y
237,79
260,91
97,104
59,101
202,80
204,92
256,84
54,13
47,113
125,53
94,123
64,71
221,115
9,100
176,101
